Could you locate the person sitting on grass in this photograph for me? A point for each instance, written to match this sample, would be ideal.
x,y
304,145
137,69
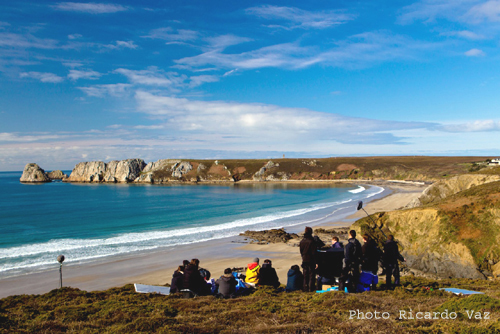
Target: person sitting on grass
x,y
295,279
193,279
268,275
253,273
177,280
226,284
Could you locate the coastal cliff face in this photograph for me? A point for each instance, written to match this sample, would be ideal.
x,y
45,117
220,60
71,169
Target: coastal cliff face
x,y
445,188
32,173
115,171
454,236
426,169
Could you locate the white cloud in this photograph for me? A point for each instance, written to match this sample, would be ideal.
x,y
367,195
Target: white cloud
x,y
152,76
115,90
73,64
231,72
474,126
474,53
262,123
299,18
170,35
74,36
223,41
85,74
465,34
149,127
121,45
91,8
42,76
35,137
430,10
198,80
487,11
26,41
356,51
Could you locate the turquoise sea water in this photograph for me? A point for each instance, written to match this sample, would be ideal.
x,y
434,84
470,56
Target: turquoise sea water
x,y
86,222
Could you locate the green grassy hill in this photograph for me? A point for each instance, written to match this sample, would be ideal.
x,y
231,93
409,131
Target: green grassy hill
x,y
121,310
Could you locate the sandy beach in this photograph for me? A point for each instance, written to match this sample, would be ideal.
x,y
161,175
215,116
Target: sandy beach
x,y
156,268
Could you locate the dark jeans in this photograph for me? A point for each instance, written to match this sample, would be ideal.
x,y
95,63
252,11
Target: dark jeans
x,y
309,276
392,270
350,277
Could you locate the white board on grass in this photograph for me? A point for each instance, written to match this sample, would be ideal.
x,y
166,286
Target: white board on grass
x,y
142,288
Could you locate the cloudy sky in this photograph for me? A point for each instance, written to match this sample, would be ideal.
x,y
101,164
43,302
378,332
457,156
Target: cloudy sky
x,y
83,81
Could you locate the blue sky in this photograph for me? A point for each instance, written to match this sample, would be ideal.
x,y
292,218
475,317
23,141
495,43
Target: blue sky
x,y
85,81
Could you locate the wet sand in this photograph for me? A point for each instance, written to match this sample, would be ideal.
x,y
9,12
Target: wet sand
x,y
156,267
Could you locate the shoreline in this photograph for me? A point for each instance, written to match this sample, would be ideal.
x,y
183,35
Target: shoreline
x,y
156,267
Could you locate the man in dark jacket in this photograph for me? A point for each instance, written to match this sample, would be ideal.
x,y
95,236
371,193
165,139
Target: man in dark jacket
x,y
268,275
329,265
193,280
177,280
352,254
391,257
371,255
308,249
295,279
226,284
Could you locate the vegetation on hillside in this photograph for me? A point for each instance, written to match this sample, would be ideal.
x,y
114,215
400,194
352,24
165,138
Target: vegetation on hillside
x,y
121,310
353,168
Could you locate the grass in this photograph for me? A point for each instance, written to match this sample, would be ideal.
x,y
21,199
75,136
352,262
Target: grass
x,y
266,311
352,168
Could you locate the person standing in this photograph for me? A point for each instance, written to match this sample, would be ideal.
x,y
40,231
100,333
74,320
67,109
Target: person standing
x,y
371,255
308,248
352,260
391,257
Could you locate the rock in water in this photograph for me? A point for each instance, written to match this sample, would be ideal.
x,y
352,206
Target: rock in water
x,y
34,174
92,171
57,175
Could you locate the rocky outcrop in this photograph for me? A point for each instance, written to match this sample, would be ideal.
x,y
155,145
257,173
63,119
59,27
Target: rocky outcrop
x,y
115,171
260,175
181,168
32,173
57,175
421,234
92,171
123,171
269,236
446,188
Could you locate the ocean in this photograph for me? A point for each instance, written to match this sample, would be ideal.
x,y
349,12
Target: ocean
x,y
87,222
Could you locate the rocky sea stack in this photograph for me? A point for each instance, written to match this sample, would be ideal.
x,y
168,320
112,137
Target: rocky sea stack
x,y
32,173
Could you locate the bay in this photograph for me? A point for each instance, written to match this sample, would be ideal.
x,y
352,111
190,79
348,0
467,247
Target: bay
x,y
86,222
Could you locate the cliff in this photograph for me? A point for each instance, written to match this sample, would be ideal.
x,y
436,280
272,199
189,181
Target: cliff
x,y
32,173
114,171
426,169
455,234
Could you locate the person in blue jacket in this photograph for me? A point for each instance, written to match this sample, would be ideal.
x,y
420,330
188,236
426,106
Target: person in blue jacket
x,y
295,279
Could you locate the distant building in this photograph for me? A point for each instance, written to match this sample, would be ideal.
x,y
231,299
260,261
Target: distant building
x,y
494,162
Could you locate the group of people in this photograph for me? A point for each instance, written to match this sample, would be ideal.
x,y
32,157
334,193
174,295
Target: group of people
x,y
191,278
339,264
353,267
